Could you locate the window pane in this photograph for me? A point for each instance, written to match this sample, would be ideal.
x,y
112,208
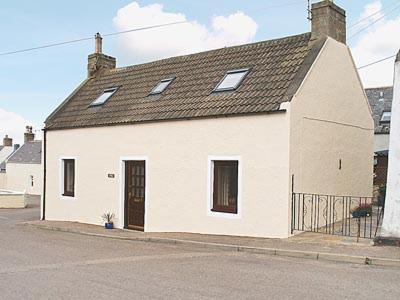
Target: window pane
x,y
386,116
225,186
69,177
104,97
161,86
231,80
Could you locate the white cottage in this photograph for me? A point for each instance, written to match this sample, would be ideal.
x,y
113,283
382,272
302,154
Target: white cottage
x,y
22,171
210,142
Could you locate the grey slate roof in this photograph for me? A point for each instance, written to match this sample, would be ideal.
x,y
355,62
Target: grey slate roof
x,y
380,100
28,153
277,68
382,153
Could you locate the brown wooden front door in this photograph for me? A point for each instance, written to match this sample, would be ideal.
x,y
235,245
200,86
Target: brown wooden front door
x,y
135,188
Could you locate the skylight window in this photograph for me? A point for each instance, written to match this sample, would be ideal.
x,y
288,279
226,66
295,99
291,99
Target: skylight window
x,y
161,86
104,97
231,80
386,116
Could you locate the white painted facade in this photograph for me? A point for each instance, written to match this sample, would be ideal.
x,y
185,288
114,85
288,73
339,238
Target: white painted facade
x,y
332,129
327,120
381,142
177,158
391,219
26,178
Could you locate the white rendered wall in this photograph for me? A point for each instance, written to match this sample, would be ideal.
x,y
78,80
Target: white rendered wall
x,y
391,219
18,178
177,167
331,122
381,142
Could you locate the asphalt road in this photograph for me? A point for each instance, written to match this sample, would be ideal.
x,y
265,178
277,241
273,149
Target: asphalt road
x,y
41,264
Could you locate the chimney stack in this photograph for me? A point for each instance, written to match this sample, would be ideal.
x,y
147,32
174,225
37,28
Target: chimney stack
x,y
99,62
328,19
7,142
29,136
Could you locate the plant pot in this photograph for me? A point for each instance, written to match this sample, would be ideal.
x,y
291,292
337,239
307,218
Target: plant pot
x,y
360,214
109,225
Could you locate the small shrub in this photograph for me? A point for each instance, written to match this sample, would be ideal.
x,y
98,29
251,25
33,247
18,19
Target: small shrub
x,y
108,217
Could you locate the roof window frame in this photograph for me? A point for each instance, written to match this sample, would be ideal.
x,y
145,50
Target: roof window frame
x,y
381,121
246,71
114,89
169,80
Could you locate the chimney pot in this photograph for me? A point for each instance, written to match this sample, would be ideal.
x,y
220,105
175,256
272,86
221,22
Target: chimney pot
x,y
98,43
328,19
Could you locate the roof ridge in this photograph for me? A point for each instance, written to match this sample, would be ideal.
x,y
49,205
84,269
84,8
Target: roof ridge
x,y
109,71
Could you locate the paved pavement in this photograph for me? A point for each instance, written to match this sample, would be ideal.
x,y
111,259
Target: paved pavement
x,y
305,245
42,264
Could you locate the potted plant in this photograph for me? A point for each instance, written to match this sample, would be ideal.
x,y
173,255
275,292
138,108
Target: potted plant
x,y
108,219
363,210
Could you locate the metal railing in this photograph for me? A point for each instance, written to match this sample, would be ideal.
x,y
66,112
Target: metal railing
x,y
337,215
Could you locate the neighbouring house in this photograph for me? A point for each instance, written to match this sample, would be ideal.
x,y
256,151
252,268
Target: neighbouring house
x,y
210,142
380,100
22,170
5,151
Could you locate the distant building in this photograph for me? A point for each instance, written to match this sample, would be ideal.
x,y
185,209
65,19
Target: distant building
x,y
22,169
6,149
380,100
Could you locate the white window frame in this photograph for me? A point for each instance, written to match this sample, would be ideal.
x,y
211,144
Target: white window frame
x,y
61,178
111,90
245,71
121,212
383,115
169,80
210,186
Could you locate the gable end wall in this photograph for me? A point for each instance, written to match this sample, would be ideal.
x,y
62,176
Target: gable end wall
x,y
331,121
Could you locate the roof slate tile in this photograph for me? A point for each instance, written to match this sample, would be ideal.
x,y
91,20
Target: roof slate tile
x,y
273,67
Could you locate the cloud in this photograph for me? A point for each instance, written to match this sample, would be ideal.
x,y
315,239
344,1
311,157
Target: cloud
x,y
372,12
191,37
14,125
377,42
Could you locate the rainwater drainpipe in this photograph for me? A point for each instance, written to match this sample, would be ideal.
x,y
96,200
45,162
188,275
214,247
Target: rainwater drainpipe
x,y
43,216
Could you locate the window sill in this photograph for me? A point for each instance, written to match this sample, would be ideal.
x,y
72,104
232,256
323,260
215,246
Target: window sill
x,y
226,215
67,197
224,211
